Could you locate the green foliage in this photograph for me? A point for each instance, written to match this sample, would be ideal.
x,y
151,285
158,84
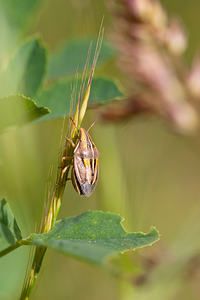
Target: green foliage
x,y
26,94
15,19
25,71
10,233
93,236
104,90
18,12
17,110
71,57
58,96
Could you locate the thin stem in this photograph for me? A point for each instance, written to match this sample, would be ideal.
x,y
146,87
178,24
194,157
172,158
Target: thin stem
x,y
48,224
9,249
35,268
62,175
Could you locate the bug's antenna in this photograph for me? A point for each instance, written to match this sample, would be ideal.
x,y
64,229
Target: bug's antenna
x,y
91,125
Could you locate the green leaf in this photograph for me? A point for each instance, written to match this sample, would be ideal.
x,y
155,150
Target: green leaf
x,y
93,236
65,61
10,233
25,70
17,110
58,96
103,90
15,19
18,12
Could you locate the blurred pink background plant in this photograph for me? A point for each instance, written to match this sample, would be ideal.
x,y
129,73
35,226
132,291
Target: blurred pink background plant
x,y
150,48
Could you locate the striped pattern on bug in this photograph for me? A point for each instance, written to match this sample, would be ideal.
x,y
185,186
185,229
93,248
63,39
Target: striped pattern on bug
x,y
85,170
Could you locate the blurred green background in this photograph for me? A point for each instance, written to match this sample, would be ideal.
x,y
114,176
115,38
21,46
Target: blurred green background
x,y
148,174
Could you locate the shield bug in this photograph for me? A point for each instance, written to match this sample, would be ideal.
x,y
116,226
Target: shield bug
x,y
85,168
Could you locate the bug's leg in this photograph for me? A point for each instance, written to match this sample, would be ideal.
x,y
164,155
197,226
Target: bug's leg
x,y
64,171
59,183
66,158
72,143
63,167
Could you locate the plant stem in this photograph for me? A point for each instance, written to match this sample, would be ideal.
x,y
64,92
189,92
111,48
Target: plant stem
x,y
48,223
9,249
35,268
62,173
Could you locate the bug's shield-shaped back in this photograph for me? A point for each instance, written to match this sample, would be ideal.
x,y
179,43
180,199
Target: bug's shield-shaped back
x,y
86,165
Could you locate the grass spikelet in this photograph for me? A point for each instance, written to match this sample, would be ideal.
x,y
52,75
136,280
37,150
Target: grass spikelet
x,y
65,161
